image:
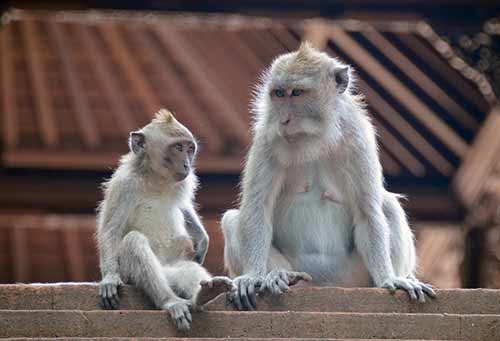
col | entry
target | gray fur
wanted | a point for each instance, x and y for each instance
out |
(313, 197)
(148, 231)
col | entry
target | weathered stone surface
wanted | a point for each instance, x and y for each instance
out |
(321, 299)
(238, 324)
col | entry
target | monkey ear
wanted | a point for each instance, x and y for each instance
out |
(341, 75)
(136, 141)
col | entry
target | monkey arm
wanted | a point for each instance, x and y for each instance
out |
(197, 232)
(112, 222)
(363, 184)
(262, 181)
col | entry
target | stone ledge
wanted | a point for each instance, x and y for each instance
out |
(22, 323)
(84, 296)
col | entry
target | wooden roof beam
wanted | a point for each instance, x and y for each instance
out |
(75, 90)
(387, 111)
(195, 117)
(316, 33)
(413, 104)
(389, 114)
(202, 79)
(110, 87)
(391, 166)
(420, 78)
(45, 112)
(146, 93)
(480, 161)
(10, 128)
(440, 66)
(402, 154)
(103, 161)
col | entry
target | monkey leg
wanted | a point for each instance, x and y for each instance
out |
(191, 281)
(232, 257)
(140, 266)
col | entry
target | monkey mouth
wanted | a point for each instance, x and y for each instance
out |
(292, 138)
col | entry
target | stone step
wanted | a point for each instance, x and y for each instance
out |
(194, 339)
(222, 324)
(322, 299)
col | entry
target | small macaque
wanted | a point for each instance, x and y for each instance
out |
(313, 200)
(148, 232)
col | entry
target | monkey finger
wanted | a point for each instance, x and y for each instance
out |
(428, 289)
(106, 303)
(114, 290)
(187, 313)
(276, 289)
(283, 285)
(252, 296)
(391, 287)
(236, 301)
(284, 276)
(420, 293)
(114, 302)
(245, 302)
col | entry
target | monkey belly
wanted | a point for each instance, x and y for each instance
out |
(316, 236)
(165, 230)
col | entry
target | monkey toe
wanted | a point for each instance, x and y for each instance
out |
(213, 288)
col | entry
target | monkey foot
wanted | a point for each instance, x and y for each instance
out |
(213, 288)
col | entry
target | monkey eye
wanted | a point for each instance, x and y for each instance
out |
(178, 146)
(297, 92)
(279, 93)
(191, 149)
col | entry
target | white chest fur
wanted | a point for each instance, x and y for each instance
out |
(161, 221)
(312, 225)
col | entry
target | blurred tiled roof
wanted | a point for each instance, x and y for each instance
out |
(74, 85)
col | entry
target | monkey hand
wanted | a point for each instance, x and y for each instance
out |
(108, 291)
(244, 298)
(278, 282)
(412, 286)
(178, 309)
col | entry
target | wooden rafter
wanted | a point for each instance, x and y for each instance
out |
(200, 123)
(109, 85)
(316, 33)
(389, 114)
(102, 161)
(385, 110)
(11, 131)
(412, 103)
(420, 78)
(480, 161)
(45, 108)
(465, 88)
(148, 95)
(76, 92)
(391, 166)
(202, 79)
(402, 154)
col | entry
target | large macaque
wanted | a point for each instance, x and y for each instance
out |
(313, 197)
(148, 231)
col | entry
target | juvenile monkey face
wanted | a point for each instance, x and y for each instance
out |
(179, 156)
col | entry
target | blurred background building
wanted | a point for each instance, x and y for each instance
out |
(77, 76)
